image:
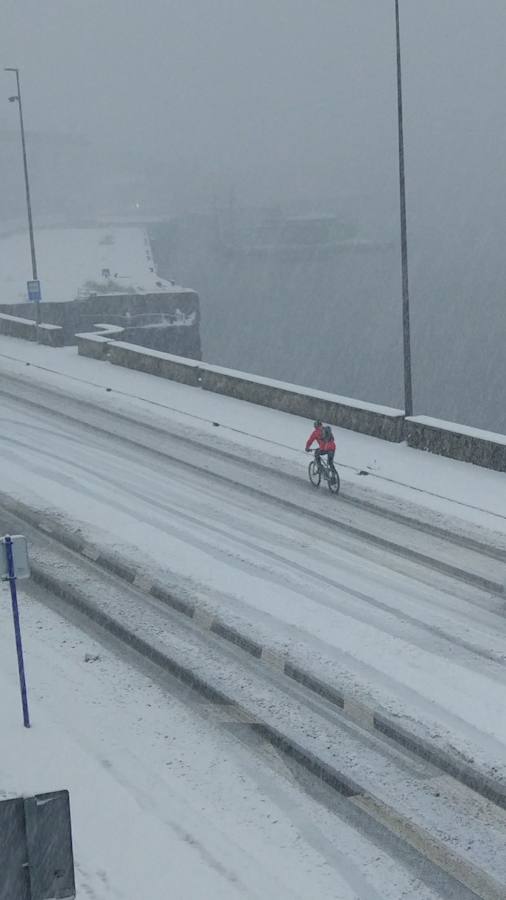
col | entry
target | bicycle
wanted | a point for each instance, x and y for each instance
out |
(319, 468)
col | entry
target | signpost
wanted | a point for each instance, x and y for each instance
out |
(36, 855)
(34, 292)
(13, 565)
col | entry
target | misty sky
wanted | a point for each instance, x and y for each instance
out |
(292, 103)
(276, 98)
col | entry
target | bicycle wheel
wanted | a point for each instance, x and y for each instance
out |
(314, 472)
(334, 483)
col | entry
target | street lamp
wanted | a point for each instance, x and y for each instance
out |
(17, 99)
(408, 387)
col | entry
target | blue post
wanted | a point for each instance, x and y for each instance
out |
(17, 629)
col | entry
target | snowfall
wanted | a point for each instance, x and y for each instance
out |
(164, 803)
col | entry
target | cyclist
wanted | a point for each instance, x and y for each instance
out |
(322, 434)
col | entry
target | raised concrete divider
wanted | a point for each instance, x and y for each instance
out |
(459, 442)
(155, 362)
(27, 329)
(483, 448)
(18, 327)
(407, 731)
(289, 725)
(52, 335)
(95, 344)
(367, 418)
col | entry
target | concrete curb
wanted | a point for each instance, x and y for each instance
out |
(371, 717)
(471, 876)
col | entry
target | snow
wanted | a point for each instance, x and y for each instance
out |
(467, 430)
(163, 801)
(72, 262)
(46, 326)
(17, 319)
(428, 649)
(414, 643)
(407, 479)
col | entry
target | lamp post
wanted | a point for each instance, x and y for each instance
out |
(17, 99)
(408, 386)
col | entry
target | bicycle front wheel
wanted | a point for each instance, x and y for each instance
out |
(314, 472)
(334, 483)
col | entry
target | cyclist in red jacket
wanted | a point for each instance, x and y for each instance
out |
(326, 443)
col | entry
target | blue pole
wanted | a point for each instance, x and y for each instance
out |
(17, 629)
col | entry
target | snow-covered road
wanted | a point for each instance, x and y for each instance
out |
(347, 587)
(428, 647)
(164, 802)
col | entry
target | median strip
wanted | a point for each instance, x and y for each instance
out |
(370, 716)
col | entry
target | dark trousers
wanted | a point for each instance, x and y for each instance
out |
(329, 454)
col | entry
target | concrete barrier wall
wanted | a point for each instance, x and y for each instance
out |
(93, 345)
(363, 417)
(483, 448)
(459, 442)
(164, 365)
(18, 327)
(366, 418)
(15, 326)
(130, 311)
(52, 335)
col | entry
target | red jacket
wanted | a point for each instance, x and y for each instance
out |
(317, 435)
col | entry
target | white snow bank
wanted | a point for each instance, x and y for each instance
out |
(18, 319)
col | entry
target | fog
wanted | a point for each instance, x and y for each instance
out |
(179, 105)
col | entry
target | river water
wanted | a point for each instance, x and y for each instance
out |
(335, 323)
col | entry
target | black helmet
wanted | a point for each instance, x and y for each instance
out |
(318, 423)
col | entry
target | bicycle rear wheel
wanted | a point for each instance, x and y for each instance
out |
(334, 483)
(314, 472)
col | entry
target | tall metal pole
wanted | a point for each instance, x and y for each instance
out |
(408, 386)
(11, 572)
(27, 188)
